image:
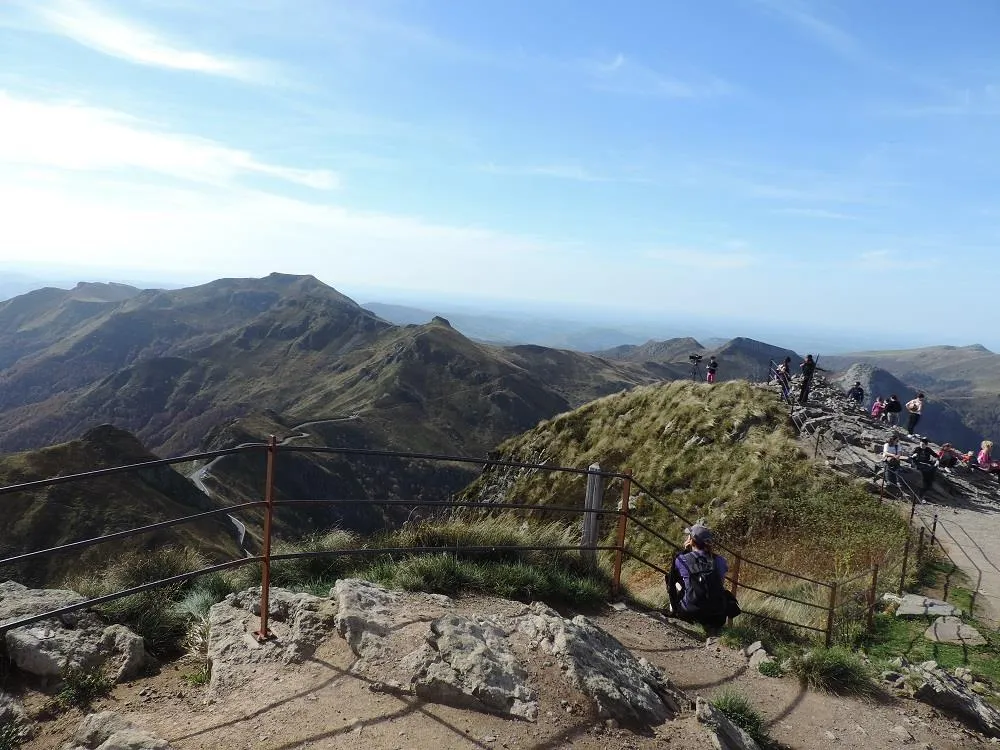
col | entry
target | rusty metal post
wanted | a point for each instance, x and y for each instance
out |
(265, 584)
(616, 581)
(906, 558)
(934, 530)
(816, 452)
(920, 546)
(972, 599)
(872, 595)
(830, 614)
(881, 489)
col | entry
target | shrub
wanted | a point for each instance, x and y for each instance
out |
(81, 687)
(771, 669)
(835, 670)
(13, 734)
(198, 677)
(737, 708)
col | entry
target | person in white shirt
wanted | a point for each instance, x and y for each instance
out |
(890, 455)
(915, 409)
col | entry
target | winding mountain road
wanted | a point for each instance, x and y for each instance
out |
(198, 476)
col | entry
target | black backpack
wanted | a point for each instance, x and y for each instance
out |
(705, 594)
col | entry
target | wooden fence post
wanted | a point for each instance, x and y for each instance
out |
(830, 614)
(591, 504)
(934, 529)
(906, 557)
(616, 581)
(872, 595)
(263, 633)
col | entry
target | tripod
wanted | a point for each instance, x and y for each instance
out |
(696, 370)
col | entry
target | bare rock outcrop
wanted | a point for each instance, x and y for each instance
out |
(624, 688)
(298, 623)
(109, 731)
(725, 735)
(75, 640)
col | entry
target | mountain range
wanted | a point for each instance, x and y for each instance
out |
(237, 360)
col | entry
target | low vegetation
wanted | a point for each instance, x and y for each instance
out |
(81, 687)
(474, 559)
(835, 670)
(13, 734)
(738, 709)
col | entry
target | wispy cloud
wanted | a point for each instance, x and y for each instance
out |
(968, 101)
(623, 75)
(706, 259)
(571, 172)
(74, 136)
(98, 28)
(890, 260)
(827, 33)
(815, 213)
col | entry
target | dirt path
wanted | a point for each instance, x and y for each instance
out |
(321, 704)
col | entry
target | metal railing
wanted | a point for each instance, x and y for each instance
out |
(626, 521)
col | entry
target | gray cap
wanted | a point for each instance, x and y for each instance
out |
(701, 534)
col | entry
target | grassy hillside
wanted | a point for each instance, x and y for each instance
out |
(64, 513)
(724, 452)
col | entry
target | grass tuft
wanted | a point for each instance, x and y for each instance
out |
(771, 669)
(835, 670)
(13, 734)
(81, 687)
(737, 708)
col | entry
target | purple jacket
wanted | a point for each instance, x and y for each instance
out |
(721, 567)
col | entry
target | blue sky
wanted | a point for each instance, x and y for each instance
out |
(816, 163)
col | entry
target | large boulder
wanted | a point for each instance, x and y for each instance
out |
(725, 735)
(109, 731)
(624, 688)
(298, 623)
(366, 614)
(468, 663)
(75, 640)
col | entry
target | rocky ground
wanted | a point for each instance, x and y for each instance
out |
(370, 668)
(965, 500)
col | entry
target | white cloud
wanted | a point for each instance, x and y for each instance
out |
(572, 172)
(826, 33)
(78, 137)
(623, 75)
(92, 26)
(815, 213)
(703, 259)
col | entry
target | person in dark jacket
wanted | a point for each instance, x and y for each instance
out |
(925, 460)
(808, 368)
(713, 365)
(857, 394)
(892, 409)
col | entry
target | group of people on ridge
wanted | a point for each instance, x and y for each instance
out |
(783, 374)
(887, 410)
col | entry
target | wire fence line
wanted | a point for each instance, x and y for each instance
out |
(824, 597)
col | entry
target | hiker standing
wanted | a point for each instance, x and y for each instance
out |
(925, 460)
(696, 582)
(857, 394)
(713, 365)
(783, 374)
(892, 409)
(915, 407)
(808, 368)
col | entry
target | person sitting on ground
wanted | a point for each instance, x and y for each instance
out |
(925, 461)
(915, 407)
(892, 409)
(877, 408)
(948, 457)
(713, 365)
(985, 458)
(857, 394)
(696, 583)
(890, 456)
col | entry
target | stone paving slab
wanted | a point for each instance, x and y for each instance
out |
(953, 630)
(915, 605)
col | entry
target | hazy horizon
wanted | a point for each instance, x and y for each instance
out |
(636, 328)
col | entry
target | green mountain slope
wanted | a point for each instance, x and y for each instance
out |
(725, 452)
(68, 512)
